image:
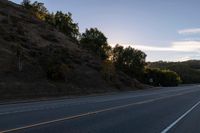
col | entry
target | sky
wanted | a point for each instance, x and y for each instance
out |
(167, 30)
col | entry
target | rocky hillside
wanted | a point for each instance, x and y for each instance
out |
(36, 60)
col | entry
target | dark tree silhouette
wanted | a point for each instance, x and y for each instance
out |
(129, 60)
(26, 4)
(95, 40)
(62, 21)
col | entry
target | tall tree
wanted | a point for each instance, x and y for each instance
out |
(39, 10)
(64, 22)
(129, 60)
(95, 41)
(26, 4)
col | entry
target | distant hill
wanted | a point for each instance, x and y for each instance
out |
(188, 70)
(32, 52)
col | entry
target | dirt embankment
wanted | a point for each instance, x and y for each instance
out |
(32, 53)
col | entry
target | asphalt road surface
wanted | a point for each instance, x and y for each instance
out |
(163, 110)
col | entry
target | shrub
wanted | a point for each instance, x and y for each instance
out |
(57, 72)
(108, 70)
(159, 77)
(55, 62)
(188, 70)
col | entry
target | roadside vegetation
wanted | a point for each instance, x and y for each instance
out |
(158, 77)
(44, 54)
(125, 59)
(189, 71)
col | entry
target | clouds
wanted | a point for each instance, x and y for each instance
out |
(189, 44)
(189, 31)
(153, 48)
(185, 45)
(179, 46)
(182, 50)
(176, 51)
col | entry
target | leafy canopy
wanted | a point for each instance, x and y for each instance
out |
(129, 60)
(62, 21)
(96, 41)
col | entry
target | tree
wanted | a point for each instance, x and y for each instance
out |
(26, 4)
(95, 41)
(39, 10)
(129, 60)
(64, 23)
(117, 56)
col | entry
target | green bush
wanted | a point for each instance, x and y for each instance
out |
(57, 72)
(189, 71)
(158, 77)
(55, 62)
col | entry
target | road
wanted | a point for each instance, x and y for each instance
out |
(163, 110)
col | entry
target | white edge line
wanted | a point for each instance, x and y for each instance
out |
(87, 114)
(180, 118)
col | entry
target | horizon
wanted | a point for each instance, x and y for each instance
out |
(164, 30)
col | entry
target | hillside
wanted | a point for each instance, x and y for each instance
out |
(188, 70)
(36, 60)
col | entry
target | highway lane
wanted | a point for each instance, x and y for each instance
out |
(140, 111)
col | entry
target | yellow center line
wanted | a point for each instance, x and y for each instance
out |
(90, 113)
